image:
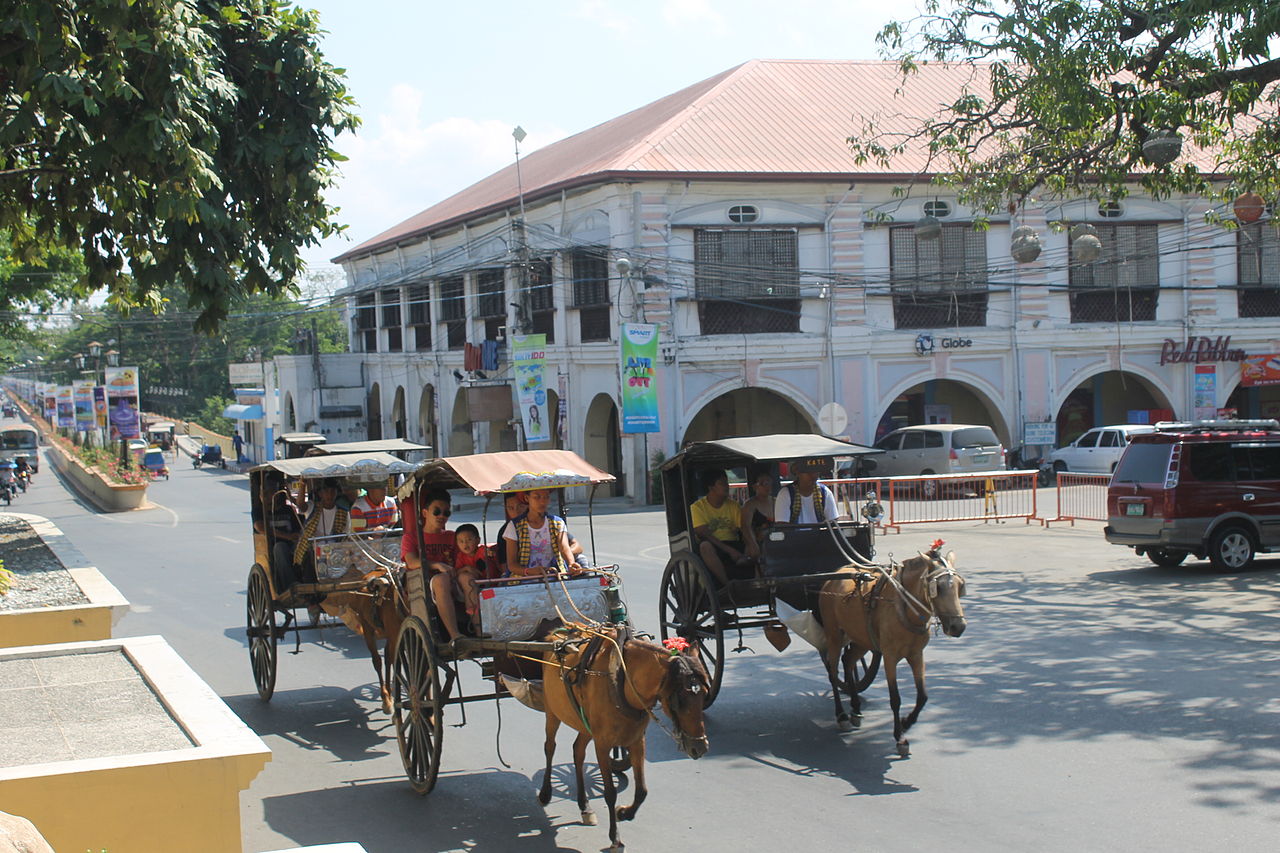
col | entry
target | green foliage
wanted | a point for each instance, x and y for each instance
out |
(6, 578)
(1063, 95)
(187, 141)
(210, 416)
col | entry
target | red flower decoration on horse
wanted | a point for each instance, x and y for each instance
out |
(676, 645)
(936, 546)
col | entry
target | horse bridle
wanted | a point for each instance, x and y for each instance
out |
(941, 568)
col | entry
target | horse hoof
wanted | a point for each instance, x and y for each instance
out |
(626, 813)
(844, 725)
(588, 818)
(904, 749)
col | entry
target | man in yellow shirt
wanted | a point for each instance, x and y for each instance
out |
(717, 527)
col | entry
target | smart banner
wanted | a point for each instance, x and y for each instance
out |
(1204, 403)
(100, 406)
(122, 402)
(82, 397)
(639, 378)
(50, 398)
(66, 408)
(528, 354)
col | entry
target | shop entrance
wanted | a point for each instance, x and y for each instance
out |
(427, 419)
(942, 401)
(603, 445)
(747, 411)
(373, 426)
(1113, 397)
(1255, 401)
(398, 420)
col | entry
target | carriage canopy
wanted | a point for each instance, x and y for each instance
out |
(733, 452)
(383, 445)
(364, 465)
(507, 471)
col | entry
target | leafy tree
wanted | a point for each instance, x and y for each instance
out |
(166, 141)
(1065, 93)
(209, 415)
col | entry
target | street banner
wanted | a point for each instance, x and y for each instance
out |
(1204, 405)
(122, 402)
(82, 397)
(100, 406)
(50, 397)
(528, 354)
(1260, 370)
(66, 408)
(562, 417)
(639, 378)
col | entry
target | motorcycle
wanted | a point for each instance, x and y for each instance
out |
(1019, 462)
(8, 482)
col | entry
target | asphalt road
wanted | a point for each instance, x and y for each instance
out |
(1095, 702)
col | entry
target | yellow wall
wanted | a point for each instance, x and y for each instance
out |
(54, 625)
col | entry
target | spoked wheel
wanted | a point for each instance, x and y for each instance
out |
(417, 705)
(859, 672)
(689, 607)
(260, 616)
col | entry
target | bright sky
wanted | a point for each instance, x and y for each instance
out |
(440, 86)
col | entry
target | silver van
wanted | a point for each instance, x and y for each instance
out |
(939, 449)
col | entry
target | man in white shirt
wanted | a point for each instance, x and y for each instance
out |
(795, 503)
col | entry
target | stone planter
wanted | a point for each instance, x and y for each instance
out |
(119, 745)
(92, 486)
(92, 620)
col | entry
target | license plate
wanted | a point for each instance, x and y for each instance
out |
(981, 459)
(1135, 509)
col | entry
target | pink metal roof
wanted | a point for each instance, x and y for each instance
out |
(764, 119)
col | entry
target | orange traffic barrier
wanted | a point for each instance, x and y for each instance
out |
(989, 496)
(1081, 497)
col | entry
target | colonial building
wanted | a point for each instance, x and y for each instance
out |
(783, 278)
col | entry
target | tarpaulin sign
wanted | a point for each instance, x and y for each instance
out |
(528, 353)
(122, 401)
(640, 378)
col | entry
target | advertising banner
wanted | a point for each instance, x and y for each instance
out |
(100, 406)
(528, 354)
(82, 397)
(639, 378)
(562, 418)
(122, 402)
(1204, 402)
(66, 408)
(1260, 370)
(50, 398)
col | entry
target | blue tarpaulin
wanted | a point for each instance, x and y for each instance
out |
(243, 413)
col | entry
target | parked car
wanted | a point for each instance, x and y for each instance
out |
(939, 449)
(1098, 450)
(1208, 488)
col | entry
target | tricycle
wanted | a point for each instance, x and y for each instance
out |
(210, 454)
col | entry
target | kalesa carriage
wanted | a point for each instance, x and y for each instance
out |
(560, 642)
(819, 579)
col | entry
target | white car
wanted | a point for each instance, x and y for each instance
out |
(1098, 450)
(938, 449)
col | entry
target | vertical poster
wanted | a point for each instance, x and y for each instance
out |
(639, 377)
(1204, 393)
(528, 354)
(66, 408)
(50, 397)
(122, 402)
(100, 406)
(562, 416)
(82, 397)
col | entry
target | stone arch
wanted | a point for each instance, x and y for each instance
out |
(461, 442)
(1108, 397)
(373, 413)
(603, 440)
(747, 411)
(428, 424)
(953, 401)
(399, 418)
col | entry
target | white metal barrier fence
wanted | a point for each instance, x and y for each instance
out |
(989, 496)
(1081, 497)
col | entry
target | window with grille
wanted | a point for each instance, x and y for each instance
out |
(453, 310)
(542, 299)
(590, 270)
(1123, 284)
(420, 316)
(1258, 269)
(746, 280)
(491, 285)
(390, 300)
(941, 282)
(366, 322)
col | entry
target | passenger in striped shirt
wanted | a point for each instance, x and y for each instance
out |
(374, 511)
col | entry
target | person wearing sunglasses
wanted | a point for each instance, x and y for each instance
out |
(540, 540)
(439, 555)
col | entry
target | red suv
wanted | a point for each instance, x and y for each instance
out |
(1208, 488)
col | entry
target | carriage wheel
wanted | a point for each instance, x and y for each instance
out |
(859, 672)
(689, 607)
(417, 706)
(260, 616)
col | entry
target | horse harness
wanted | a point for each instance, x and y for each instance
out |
(872, 595)
(573, 676)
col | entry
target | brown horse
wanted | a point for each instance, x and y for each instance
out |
(607, 698)
(374, 613)
(890, 612)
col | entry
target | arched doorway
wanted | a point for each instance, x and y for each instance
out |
(603, 444)
(747, 411)
(428, 427)
(398, 420)
(1254, 401)
(460, 440)
(1112, 397)
(290, 416)
(373, 409)
(941, 401)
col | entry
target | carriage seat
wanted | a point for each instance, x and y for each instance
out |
(806, 549)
